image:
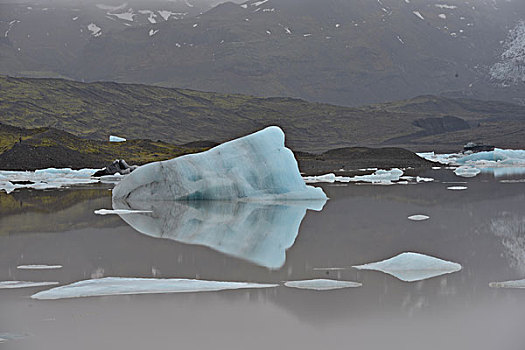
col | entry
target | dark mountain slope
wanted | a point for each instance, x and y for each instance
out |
(179, 116)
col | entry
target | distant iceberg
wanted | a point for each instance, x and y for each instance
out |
(124, 286)
(410, 267)
(257, 232)
(257, 167)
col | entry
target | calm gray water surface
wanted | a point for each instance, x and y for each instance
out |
(482, 228)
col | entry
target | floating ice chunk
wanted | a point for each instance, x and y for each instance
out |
(457, 188)
(330, 178)
(124, 286)
(120, 211)
(418, 217)
(424, 179)
(257, 232)
(151, 33)
(411, 267)
(113, 138)
(322, 284)
(380, 176)
(383, 177)
(23, 284)
(39, 267)
(257, 167)
(508, 284)
(467, 171)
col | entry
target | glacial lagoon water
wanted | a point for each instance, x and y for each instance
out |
(481, 228)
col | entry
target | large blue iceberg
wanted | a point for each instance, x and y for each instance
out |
(257, 167)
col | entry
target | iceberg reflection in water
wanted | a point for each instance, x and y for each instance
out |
(257, 232)
(411, 267)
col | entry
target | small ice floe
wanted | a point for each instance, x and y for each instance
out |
(125, 286)
(457, 188)
(467, 171)
(410, 267)
(45, 178)
(113, 138)
(381, 177)
(151, 33)
(39, 267)
(418, 217)
(11, 336)
(508, 284)
(515, 181)
(24, 284)
(322, 284)
(120, 211)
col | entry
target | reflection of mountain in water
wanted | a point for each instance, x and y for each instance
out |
(257, 232)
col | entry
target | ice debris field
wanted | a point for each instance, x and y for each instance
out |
(500, 162)
(254, 167)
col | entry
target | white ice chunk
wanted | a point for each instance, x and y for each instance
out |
(467, 171)
(411, 267)
(39, 267)
(330, 178)
(113, 138)
(418, 217)
(322, 284)
(124, 286)
(23, 284)
(508, 284)
(257, 167)
(457, 188)
(120, 211)
(153, 32)
(257, 232)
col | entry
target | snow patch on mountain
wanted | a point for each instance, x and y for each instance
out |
(151, 15)
(418, 14)
(11, 24)
(445, 6)
(259, 3)
(111, 7)
(510, 70)
(95, 30)
(167, 14)
(127, 16)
